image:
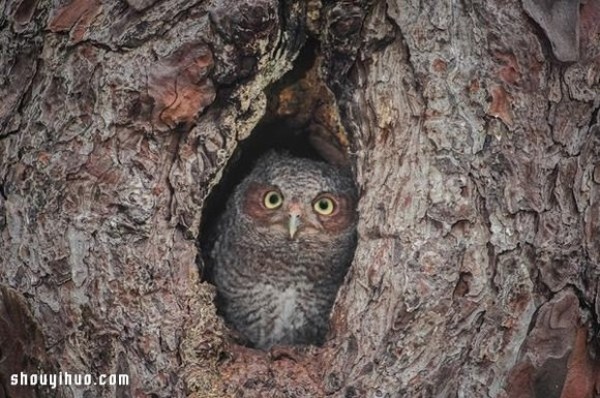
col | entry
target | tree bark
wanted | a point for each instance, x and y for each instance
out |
(472, 129)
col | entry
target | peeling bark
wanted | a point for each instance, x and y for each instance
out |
(473, 132)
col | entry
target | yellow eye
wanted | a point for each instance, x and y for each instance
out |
(324, 206)
(273, 200)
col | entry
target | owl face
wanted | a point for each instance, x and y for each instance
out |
(293, 204)
(301, 215)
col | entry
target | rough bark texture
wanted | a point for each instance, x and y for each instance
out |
(475, 146)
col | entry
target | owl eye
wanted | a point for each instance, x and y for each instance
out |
(324, 206)
(273, 200)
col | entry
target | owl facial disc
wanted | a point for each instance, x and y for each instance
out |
(295, 212)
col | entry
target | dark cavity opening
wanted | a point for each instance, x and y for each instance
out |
(266, 136)
(280, 130)
(272, 132)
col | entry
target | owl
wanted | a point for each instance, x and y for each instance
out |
(282, 248)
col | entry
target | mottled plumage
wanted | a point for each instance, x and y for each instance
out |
(279, 256)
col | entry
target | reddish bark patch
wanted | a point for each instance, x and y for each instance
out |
(76, 16)
(520, 381)
(510, 72)
(589, 28)
(260, 373)
(474, 86)
(101, 165)
(179, 85)
(439, 65)
(581, 375)
(500, 106)
(555, 357)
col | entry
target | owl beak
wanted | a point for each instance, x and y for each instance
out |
(294, 220)
(293, 224)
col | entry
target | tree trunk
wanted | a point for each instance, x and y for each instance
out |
(472, 129)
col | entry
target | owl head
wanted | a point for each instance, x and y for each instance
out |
(294, 198)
